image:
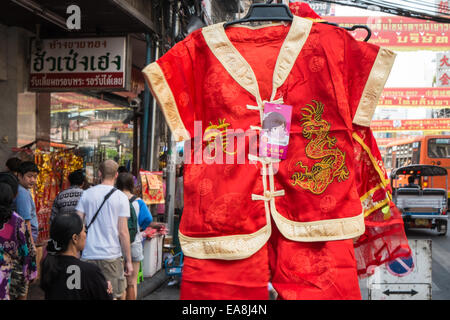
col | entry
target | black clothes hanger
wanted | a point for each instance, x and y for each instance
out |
(280, 12)
(356, 26)
(265, 12)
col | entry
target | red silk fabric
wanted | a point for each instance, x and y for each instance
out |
(297, 270)
(330, 71)
(384, 238)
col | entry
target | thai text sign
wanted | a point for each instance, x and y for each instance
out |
(411, 125)
(436, 98)
(442, 7)
(84, 63)
(399, 32)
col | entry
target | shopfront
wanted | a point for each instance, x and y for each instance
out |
(96, 128)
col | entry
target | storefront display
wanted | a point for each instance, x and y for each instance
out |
(152, 187)
(99, 129)
(54, 169)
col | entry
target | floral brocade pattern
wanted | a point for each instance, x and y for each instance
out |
(16, 255)
(384, 238)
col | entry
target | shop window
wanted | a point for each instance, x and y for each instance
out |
(96, 127)
(439, 148)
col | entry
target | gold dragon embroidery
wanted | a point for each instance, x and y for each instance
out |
(217, 134)
(321, 174)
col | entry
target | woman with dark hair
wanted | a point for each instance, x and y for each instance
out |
(64, 275)
(15, 244)
(125, 183)
(13, 165)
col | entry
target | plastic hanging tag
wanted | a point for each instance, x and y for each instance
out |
(274, 137)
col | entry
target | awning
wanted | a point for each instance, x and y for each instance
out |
(98, 17)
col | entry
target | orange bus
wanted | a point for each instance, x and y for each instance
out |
(433, 149)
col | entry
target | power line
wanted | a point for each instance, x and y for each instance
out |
(398, 9)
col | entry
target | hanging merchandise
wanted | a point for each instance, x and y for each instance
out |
(384, 237)
(152, 187)
(250, 219)
(54, 169)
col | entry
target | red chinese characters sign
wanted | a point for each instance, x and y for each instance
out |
(85, 63)
(438, 124)
(399, 32)
(443, 69)
(436, 98)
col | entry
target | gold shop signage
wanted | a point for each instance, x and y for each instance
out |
(401, 33)
(82, 63)
(434, 98)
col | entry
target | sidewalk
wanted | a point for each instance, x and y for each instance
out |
(151, 284)
(145, 288)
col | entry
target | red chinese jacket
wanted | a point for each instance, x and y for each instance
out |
(384, 238)
(217, 80)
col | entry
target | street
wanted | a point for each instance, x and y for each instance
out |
(440, 270)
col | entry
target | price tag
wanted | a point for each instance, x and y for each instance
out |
(274, 137)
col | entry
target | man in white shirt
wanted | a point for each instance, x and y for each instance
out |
(108, 234)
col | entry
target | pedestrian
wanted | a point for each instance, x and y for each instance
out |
(105, 210)
(17, 256)
(13, 165)
(28, 172)
(161, 207)
(122, 169)
(125, 183)
(179, 204)
(26, 208)
(67, 200)
(64, 275)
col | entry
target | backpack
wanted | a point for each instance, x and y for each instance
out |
(132, 221)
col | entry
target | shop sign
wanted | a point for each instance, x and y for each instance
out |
(435, 98)
(321, 8)
(152, 187)
(80, 63)
(399, 32)
(411, 125)
(443, 69)
(442, 7)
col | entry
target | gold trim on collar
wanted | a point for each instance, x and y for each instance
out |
(230, 58)
(233, 247)
(292, 45)
(166, 100)
(238, 67)
(374, 86)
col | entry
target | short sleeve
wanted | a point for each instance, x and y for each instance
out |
(366, 70)
(145, 217)
(124, 204)
(171, 81)
(80, 204)
(55, 210)
(23, 205)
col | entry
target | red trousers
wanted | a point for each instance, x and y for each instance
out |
(297, 270)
